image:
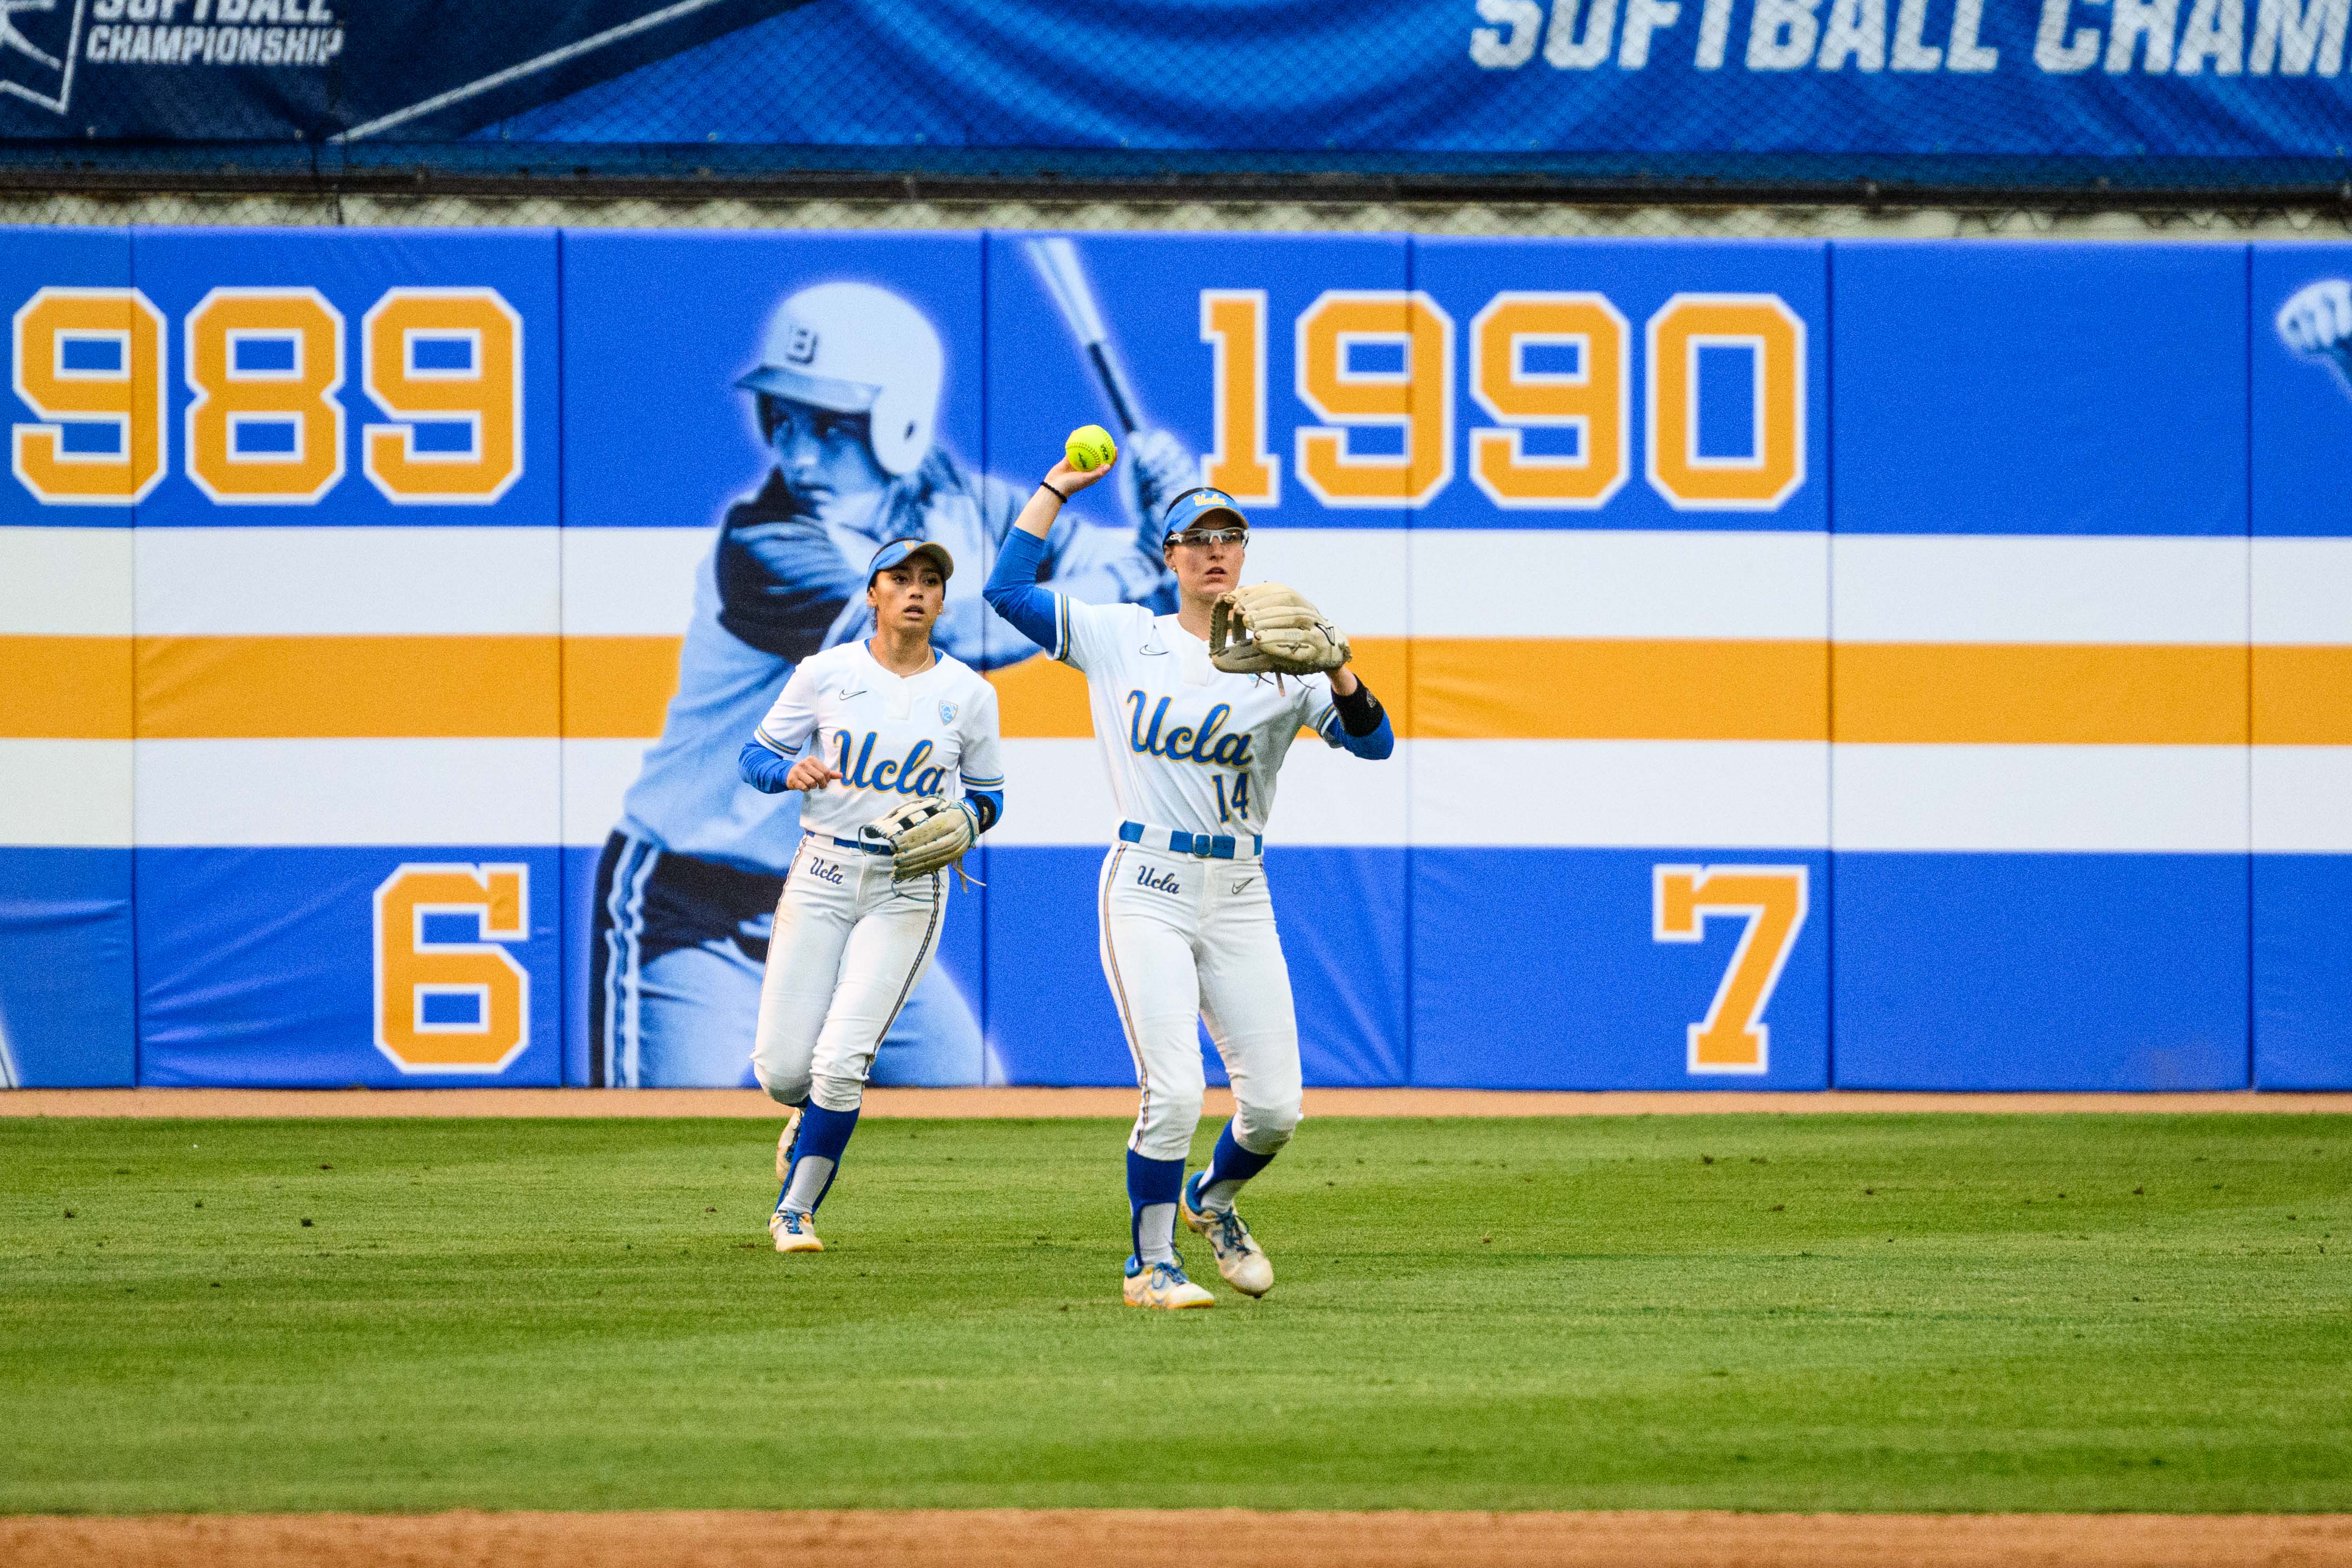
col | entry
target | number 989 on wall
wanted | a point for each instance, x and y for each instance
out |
(266, 371)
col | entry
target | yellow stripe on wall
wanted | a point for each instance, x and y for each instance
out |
(2040, 694)
(1044, 699)
(1465, 688)
(334, 687)
(1619, 689)
(65, 688)
(619, 689)
(2303, 696)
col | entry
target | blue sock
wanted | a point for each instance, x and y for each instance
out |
(1153, 1186)
(1229, 1167)
(816, 1155)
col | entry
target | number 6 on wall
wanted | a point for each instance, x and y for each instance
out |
(491, 1023)
(1733, 1038)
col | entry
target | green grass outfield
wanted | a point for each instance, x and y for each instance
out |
(1913, 1313)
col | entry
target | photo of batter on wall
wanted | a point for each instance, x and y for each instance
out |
(846, 392)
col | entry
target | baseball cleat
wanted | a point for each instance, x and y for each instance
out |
(794, 1231)
(1239, 1258)
(784, 1146)
(1163, 1285)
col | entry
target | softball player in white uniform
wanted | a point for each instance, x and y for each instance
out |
(861, 728)
(1186, 916)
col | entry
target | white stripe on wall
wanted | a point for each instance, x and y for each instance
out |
(1453, 583)
(596, 774)
(348, 792)
(65, 582)
(2038, 588)
(1599, 793)
(66, 794)
(632, 581)
(1729, 794)
(2302, 799)
(1590, 583)
(312, 582)
(2089, 798)
(1358, 576)
(2302, 590)
(1055, 792)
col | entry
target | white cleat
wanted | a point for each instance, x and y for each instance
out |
(794, 1231)
(1163, 1285)
(784, 1146)
(1239, 1258)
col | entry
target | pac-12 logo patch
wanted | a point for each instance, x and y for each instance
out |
(38, 41)
(948, 712)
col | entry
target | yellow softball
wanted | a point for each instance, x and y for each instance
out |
(1090, 447)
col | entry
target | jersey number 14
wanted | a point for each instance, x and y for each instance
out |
(1233, 805)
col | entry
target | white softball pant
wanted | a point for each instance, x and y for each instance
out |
(848, 947)
(1187, 941)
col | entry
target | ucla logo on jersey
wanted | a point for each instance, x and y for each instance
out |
(903, 775)
(948, 711)
(1184, 743)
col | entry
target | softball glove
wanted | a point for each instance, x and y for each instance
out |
(1269, 629)
(928, 834)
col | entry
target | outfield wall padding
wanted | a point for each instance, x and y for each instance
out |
(1918, 665)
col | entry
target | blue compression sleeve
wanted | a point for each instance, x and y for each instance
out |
(1229, 1167)
(1373, 746)
(1013, 592)
(1152, 1188)
(822, 1135)
(1360, 724)
(761, 768)
(988, 805)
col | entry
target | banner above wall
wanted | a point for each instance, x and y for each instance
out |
(2128, 93)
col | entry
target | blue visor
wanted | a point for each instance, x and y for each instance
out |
(1200, 508)
(899, 550)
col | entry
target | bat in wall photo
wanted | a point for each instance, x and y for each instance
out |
(849, 393)
(1157, 464)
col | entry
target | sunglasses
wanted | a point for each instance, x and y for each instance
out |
(1203, 537)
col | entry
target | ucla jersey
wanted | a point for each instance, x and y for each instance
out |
(779, 587)
(1188, 745)
(891, 737)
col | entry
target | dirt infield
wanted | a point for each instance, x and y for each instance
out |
(962, 1103)
(1222, 1539)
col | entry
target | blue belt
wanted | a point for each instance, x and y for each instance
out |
(1176, 841)
(860, 844)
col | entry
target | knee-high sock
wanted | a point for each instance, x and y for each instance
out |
(1229, 1167)
(1153, 1186)
(816, 1155)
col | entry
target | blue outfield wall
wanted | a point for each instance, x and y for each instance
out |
(1577, 991)
(2068, 394)
(1868, 664)
(2056, 972)
(69, 1017)
(246, 976)
(2302, 501)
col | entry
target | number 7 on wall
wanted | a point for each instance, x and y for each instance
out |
(1733, 1038)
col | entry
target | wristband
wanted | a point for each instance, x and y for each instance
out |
(1360, 711)
(1052, 491)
